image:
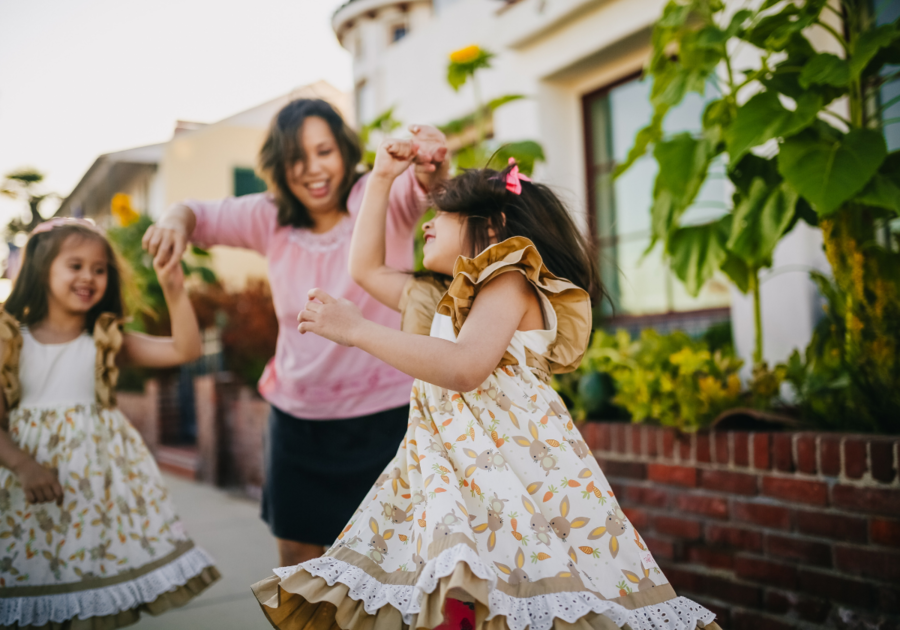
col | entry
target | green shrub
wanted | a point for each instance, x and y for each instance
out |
(672, 379)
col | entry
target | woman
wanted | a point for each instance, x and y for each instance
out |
(337, 414)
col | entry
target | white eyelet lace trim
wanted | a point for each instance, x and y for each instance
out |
(107, 600)
(535, 613)
(332, 239)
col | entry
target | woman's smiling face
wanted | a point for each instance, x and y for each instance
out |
(445, 241)
(315, 178)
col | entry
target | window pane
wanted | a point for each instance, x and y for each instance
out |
(246, 182)
(643, 279)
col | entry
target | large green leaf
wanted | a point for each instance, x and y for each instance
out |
(683, 163)
(763, 117)
(883, 190)
(644, 138)
(774, 32)
(738, 272)
(864, 49)
(828, 167)
(525, 152)
(696, 252)
(751, 167)
(825, 69)
(760, 221)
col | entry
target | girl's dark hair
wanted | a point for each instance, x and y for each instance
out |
(28, 300)
(282, 148)
(481, 197)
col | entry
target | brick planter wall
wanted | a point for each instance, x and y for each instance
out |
(770, 530)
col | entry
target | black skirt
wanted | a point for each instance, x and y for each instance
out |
(319, 471)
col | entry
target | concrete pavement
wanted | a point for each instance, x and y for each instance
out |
(230, 529)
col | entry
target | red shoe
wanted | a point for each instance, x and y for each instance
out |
(458, 616)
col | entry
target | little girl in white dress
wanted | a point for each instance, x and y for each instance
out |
(89, 536)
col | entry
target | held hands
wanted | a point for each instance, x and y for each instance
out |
(40, 484)
(165, 243)
(337, 320)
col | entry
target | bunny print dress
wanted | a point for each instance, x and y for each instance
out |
(493, 498)
(114, 548)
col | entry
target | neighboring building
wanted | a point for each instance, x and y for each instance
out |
(579, 62)
(201, 161)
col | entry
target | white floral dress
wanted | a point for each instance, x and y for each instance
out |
(115, 547)
(493, 498)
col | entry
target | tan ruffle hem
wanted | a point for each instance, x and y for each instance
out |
(302, 601)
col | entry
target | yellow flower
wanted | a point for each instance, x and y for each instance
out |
(465, 55)
(123, 211)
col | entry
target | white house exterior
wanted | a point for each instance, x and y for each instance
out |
(579, 63)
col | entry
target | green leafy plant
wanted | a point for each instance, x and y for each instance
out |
(143, 293)
(23, 185)
(475, 151)
(790, 156)
(372, 132)
(672, 379)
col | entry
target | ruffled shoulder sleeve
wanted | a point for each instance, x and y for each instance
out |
(11, 335)
(418, 303)
(571, 303)
(108, 339)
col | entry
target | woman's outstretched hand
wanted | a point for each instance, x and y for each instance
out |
(431, 158)
(337, 320)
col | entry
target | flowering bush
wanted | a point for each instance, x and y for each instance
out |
(669, 379)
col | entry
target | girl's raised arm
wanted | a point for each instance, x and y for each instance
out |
(367, 249)
(184, 345)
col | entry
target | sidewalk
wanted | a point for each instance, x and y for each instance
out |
(230, 529)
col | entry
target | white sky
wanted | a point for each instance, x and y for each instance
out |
(79, 78)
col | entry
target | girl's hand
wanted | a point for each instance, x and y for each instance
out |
(40, 485)
(165, 242)
(171, 276)
(338, 320)
(393, 157)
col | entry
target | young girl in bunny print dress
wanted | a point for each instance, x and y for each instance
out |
(493, 498)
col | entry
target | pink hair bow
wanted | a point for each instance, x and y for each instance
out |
(514, 178)
(46, 226)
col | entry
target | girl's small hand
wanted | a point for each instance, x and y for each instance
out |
(170, 275)
(40, 485)
(393, 157)
(431, 161)
(335, 319)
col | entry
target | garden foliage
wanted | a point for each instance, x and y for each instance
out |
(791, 155)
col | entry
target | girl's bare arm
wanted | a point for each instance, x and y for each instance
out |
(462, 366)
(367, 248)
(184, 345)
(39, 484)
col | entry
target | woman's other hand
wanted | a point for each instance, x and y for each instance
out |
(431, 161)
(338, 320)
(167, 239)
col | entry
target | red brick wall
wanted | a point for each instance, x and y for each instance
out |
(770, 530)
(244, 427)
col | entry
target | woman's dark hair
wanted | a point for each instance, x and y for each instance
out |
(28, 300)
(481, 197)
(283, 147)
